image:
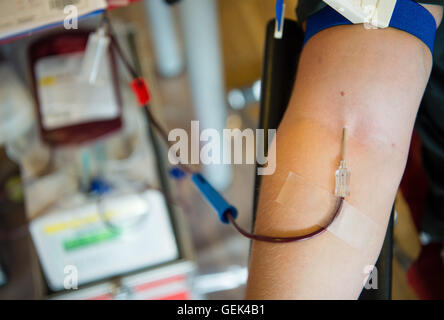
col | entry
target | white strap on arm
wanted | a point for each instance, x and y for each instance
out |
(378, 13)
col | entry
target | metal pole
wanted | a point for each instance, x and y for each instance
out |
(204, 62)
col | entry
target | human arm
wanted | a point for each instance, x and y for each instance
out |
(370, 81)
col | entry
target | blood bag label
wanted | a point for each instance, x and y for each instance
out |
(65, 100)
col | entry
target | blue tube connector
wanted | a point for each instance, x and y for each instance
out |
(222, 207)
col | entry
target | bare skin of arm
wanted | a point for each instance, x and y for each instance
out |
(372, 82)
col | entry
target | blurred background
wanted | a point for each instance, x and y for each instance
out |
(86, 199)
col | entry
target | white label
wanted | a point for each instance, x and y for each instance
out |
(65, 100)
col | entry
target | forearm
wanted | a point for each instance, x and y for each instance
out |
(372, 83)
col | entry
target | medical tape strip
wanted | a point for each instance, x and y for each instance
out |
(350, 225)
